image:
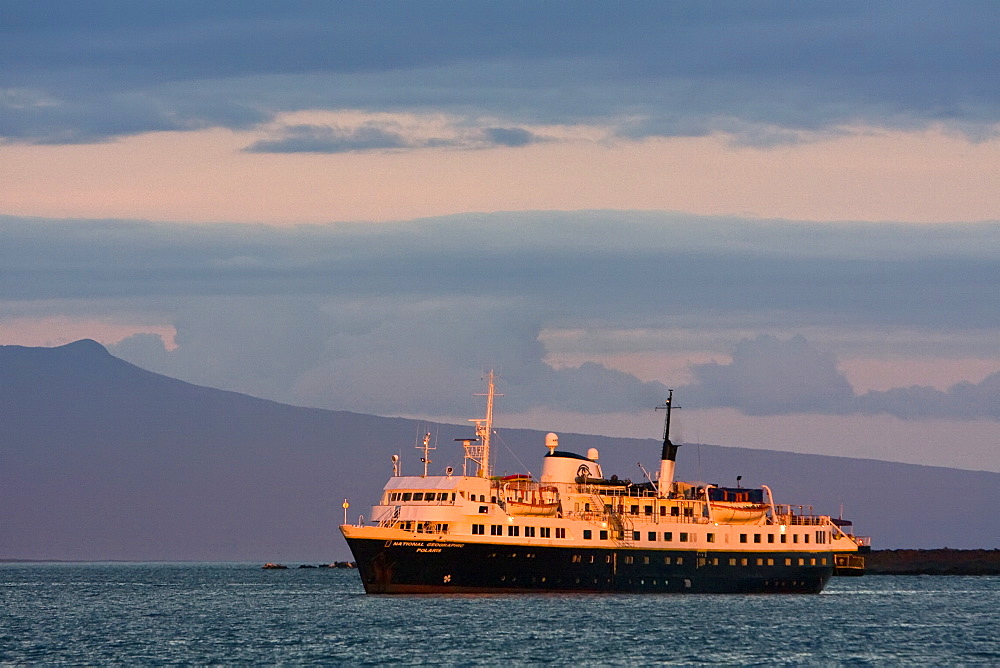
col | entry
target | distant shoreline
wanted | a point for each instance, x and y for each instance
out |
(941, 561)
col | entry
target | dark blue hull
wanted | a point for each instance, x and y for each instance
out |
(424, 567)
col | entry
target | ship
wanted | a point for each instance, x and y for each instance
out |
(574, 530)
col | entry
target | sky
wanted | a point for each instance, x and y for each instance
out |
(787, 212)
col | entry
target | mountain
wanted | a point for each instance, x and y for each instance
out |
(100, 459)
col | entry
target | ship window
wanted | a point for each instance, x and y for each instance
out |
(483, 510)
(560, 533)
(604, 535)
(529, 532)
(812, 562)
(668, 536)
(732, 561)
(663, 511)
(675, 511)
(478, 529)
(805, 538)
(513, 530)
(688, 511)
(394, 496)
(587, 534)
(645, 560)
(710, 537)
(788, 562)
(756, 538)
(680, 560)
(743, 538)
(577, 558)
(795, 538)
(652, 535)
(760, 562)
(607, 558)
(770, 538)
(545, 532)
(666, 560)
(418, 496)
(586, 507)
(824, 561)
(684, 537)
(783, 538)
(407, 496)
(633, 510)
(592, 560)
(802, 562)
(629, 560)
(648, 510)
(770, 562)
(636, 535)
(496, 530)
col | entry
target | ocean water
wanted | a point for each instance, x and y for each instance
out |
(98, 614)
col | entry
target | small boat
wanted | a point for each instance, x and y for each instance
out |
(274, 567)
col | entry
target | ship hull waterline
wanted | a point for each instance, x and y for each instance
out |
(458, 567)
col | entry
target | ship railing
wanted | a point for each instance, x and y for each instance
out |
(387, 518)
(861, 541)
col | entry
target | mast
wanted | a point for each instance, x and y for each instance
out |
(480, 452)
(426, 447)
(668, 455)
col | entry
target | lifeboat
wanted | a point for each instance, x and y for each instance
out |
(737, 505)
(736, 512)
(523, 496)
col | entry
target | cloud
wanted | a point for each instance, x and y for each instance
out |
(386, 136)
(769, 376)
(385, 318)
(768, 74)
(313, 139)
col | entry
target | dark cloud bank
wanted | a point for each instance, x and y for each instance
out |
(88, 71)
(385, 318)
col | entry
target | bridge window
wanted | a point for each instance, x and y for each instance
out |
(545, 532)
(743, 538)
(756, 538)
(770, 538)
(684, 537)
(560, 533)
(529, 532)
(407, 496)
(513, 530)
(710, 537)
(636, 535)
(418, 496)
(478, 529)
(668, 536)
(496, 530)
(633, 510)
(604, 535)
(652, 535)
(648, 510)
(674, 511)
(587, 534)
